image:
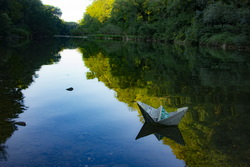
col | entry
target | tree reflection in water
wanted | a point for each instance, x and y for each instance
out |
(3, 153)
(18, 65)
(214, 84)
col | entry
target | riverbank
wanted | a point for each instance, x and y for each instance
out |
(209, 43)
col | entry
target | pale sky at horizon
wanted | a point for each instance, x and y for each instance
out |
(72, 10)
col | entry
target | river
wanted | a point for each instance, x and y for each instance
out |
(78, 100)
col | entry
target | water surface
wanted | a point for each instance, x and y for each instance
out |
(97, 122)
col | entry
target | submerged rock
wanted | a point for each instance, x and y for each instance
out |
(70, 89)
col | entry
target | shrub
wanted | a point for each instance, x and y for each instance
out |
(219, 14)
(110, 29)
(20, 32)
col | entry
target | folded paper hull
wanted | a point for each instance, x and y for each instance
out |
(173, 119)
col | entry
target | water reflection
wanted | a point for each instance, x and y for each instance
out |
(160, 131)
(18, 65)
(3, 153)
(215, 84)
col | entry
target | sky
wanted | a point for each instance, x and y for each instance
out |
(72, 10)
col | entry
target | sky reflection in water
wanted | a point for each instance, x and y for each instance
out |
(84, 127)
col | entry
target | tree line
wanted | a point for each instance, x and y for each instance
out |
(30, 19)
(212, 22)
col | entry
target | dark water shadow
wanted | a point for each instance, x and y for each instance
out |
(160, 131)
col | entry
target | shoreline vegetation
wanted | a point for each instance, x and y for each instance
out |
(141, 39)
(218, 23)
(30, 19)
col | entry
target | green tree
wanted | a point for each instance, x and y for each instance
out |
(100, 9)
(25, 19)
(5, 25)
(193, 21)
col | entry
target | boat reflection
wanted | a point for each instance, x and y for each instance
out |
(160, 131)
(153, 124)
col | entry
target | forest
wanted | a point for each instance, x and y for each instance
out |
(223, 23)
(210, 22)
(30, 19)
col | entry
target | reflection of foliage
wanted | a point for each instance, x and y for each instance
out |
(218, 138)
(215, 86)
(160, 70)
(17, 69)
(3, 153)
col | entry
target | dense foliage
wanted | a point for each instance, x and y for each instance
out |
(213, 22)
(30, 19)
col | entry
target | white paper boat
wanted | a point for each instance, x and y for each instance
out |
(160, 115)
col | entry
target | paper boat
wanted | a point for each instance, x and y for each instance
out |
(160, 115)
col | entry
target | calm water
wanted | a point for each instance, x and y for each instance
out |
(95, 124)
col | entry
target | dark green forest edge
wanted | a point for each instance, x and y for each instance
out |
(30, 19)
(206, 22)
(221, 23)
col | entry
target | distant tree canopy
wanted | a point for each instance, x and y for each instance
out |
(26, 19)
(194, 21)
